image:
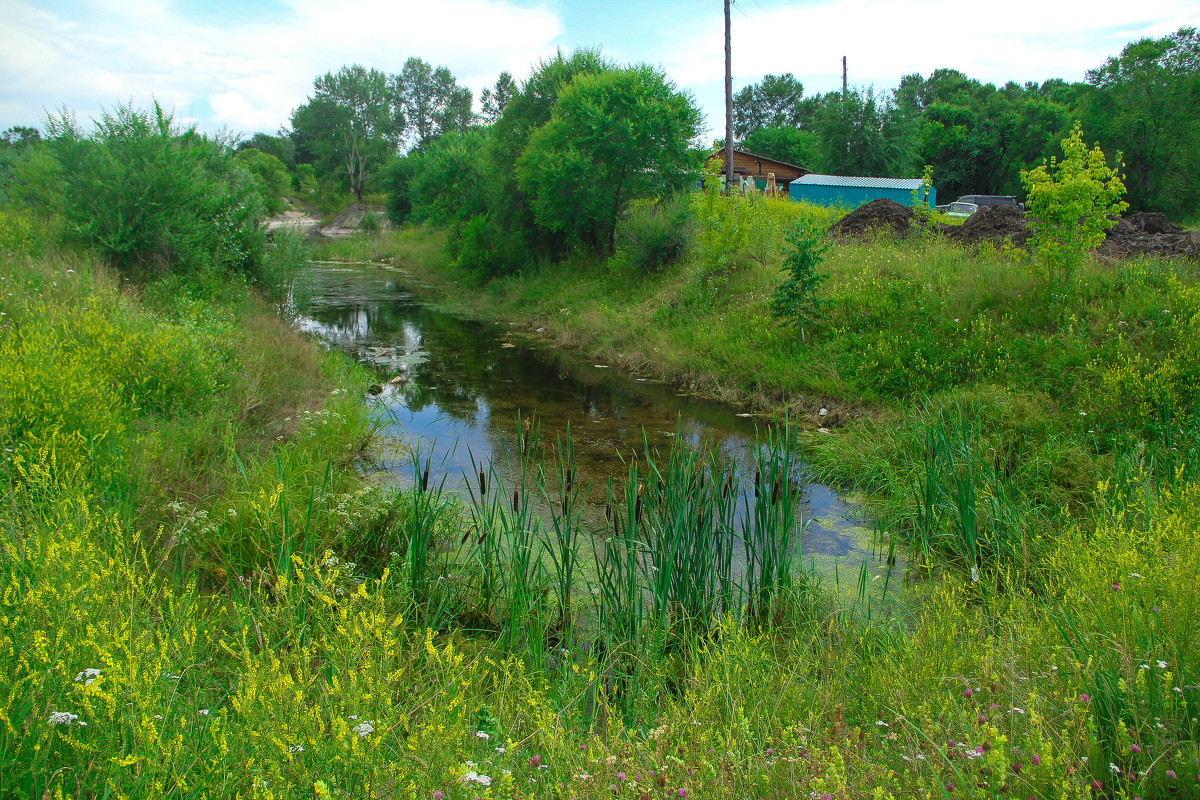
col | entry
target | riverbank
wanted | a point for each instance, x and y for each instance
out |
(930, 355)
(228, 653)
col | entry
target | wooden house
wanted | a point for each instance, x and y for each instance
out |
(748, 165)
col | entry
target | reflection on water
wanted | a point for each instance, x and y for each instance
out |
(454, 388)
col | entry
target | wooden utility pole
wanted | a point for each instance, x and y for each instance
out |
(844, 87)
(728, 105)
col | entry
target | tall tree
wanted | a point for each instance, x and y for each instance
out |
(432, 100)
(1146, 103)
(777, 101)
(353, 123)
(863, 134)
(493, 100)
(612, 137)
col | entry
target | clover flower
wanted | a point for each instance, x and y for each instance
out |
(64, 718)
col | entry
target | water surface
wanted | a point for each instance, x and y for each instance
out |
(453, 389)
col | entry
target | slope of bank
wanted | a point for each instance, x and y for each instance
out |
(930, 355)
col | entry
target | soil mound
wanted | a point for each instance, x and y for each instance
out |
(1152, 222)
(1149, 233)
(993, 223)
(877, 215)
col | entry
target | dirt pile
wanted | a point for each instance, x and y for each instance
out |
(1149, 233)
(991, 223)
(877, 215)
(349, 222)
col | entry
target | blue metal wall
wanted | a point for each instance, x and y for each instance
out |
(851, 196)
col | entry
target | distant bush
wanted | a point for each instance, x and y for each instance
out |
(154, 199)
(271, 177)
(654, 235)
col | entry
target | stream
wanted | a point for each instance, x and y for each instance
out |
(452, 388)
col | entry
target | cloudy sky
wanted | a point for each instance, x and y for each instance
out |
(243, 65)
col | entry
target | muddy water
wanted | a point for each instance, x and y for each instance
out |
(453, 389)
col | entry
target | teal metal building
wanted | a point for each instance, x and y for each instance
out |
(851, 192)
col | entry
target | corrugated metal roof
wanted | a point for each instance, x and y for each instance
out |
(865, 183)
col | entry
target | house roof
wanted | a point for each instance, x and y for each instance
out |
(813, 179)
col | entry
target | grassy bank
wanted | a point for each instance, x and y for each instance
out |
(931, 358)
(198, 598)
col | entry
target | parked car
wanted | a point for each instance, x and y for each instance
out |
(982, 200)
(958, 209)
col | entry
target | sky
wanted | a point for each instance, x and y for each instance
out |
(242, 66)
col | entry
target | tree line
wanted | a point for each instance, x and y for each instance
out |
(1143, 103)
(551, 163)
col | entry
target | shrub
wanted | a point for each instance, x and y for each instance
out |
(795, 300)
(1071, 202)
(154, 199)
(655, 235)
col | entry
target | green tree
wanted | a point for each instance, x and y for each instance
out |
(791, 145)
(1070, 202)
(795, 301)
(864, 134)
(281, 145)
(612, 137)
(352, 123)
(270, 176)
(1146, 102)
(777, 101)
(493, 100)
(432, 100)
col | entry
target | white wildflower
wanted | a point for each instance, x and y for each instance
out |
(1143, 666)
(501, 750)
(881, 723)
(363, 729)
(296, 748)
(1114, 769)
(1134, 575)
(1015, 710)
(87, 676)
(62, 718)
(474, 777)
(203, 712)
(1162, 664)
(482, 735)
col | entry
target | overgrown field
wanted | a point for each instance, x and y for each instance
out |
(198, 598)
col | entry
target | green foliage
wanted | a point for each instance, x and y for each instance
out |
(1070, 202)
(654, 235)
(432, 102)
(790, 145)
(776, 102)
(153, 198)
(612, 137)
(862, 135)
(352, 123)
(271, 176)
(795, 301)
(1146, 104)
(492, 100)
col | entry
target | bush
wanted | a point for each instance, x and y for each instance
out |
(153, 199)
(655, 235)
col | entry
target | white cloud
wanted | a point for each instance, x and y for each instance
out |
(250, 69)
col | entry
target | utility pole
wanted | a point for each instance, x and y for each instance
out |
(728, 104)
(844, 87)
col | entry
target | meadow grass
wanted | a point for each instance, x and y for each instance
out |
(198, 598)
